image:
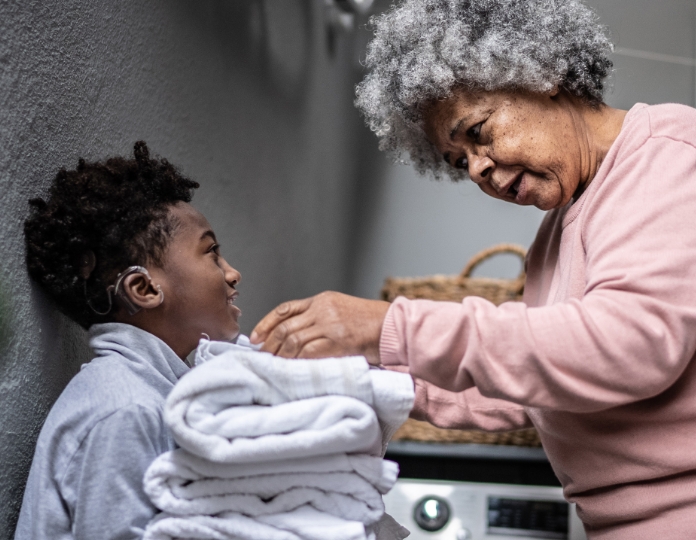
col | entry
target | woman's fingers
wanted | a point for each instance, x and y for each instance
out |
(319, 348)
(284, 311)
(295, 343)
(328, 324)
(284, 337)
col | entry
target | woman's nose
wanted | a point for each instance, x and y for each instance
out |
(480, 168)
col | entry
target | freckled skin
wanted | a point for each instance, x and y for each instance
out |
(552, 144)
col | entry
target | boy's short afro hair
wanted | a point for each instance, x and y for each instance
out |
(117, 210)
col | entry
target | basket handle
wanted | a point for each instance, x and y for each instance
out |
(488, 253)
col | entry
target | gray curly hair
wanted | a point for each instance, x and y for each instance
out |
(423, 49)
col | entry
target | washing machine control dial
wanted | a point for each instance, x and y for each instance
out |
(431, 513)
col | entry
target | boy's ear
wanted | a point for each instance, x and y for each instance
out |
(141, 292)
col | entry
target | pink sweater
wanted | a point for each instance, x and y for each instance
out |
(599, 357)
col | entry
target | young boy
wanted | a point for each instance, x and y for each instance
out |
(122, 252)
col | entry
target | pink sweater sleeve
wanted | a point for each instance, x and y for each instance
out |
(464, 410)
(628, 336)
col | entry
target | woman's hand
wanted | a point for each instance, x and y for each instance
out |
(328, 324)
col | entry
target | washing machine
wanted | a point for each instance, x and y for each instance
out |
(477, 492)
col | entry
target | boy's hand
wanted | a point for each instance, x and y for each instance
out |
(328, 324)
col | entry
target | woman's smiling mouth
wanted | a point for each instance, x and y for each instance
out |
(515, 187)
(517, 191)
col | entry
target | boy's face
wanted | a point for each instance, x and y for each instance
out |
(198, 284)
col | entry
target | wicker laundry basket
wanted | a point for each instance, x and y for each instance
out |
(455, 288)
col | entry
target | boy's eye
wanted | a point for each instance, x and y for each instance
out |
(215, 248)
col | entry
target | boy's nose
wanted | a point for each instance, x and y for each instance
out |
(232, 276)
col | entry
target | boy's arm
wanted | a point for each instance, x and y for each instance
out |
(105, 477)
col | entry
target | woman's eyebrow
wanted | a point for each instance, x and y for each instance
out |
(459, 123)
(453, 131)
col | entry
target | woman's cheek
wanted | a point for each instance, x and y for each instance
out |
(550, 195)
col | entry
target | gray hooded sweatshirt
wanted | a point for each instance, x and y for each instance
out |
(86, 480)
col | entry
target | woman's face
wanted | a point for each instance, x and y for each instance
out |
(199, 285)
(529, 149)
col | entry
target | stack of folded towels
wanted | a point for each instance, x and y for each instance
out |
(273, 449)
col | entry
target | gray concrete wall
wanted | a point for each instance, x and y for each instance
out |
(414, 226)
(245, 96)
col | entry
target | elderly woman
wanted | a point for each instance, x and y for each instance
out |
(600, 356)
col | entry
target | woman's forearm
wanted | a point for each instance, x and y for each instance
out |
(574, 356)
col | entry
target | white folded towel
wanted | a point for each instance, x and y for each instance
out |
(298, 525)
(393, 396)
(346, 486)
(253, 433)
(379, 472)
(278, 449)
(305, 523)
(241, 405)
(391, 393)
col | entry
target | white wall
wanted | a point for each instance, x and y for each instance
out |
(414, 226)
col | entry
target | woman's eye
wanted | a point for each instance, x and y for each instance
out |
(475, 131)
(462, 163)
(215, 249)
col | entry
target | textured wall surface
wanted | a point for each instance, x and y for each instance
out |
(250, 98)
